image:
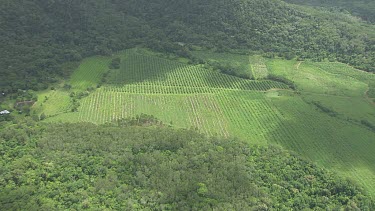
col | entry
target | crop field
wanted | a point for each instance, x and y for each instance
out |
(153, 71)
(262, 112)
(89, 73)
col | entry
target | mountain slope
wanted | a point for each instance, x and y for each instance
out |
(38, 36)
(361, 8)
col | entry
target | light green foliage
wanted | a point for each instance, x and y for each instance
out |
(339, 69)
(258, 67)
(52, 102)
(309, 78)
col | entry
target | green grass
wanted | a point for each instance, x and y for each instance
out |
(262, 112)
(52, 102)
(309, 78)
(89, 73)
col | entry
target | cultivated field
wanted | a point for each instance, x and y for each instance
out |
(262, 112)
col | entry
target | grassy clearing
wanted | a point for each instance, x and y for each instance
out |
(309, 78)
(52, 102)
(217, 104)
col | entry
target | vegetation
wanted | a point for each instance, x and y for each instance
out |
(84, 166)
(362, 8)
(234, 84)
(38, 37)
(259, 111)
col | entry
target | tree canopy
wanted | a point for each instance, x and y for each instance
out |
(130, 166)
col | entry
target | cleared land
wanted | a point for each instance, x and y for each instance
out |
(263, 112)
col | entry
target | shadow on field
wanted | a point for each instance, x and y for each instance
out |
(139, 68)
(328, 141)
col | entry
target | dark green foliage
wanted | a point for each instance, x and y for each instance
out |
(228, 69)
(139, 120)
(368, 124)
(38, 37)
(362, 8)
(115, 63)
(85, 166)
(323, 108)
(282, 80)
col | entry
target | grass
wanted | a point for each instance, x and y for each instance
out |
(310, 78)
(52, 102)
(89, 73)
(262, 112)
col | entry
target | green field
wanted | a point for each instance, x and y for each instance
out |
(262, 112)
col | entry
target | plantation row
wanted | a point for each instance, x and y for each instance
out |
(161, 89)
(151, 71)
(249, 114)
(89, 73)
(198, 111)
(328, 141)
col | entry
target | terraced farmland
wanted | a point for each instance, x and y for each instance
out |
(262, 112)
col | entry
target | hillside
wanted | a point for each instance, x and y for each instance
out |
(187, 105)
(84, 166)
(361, 8)
(317, 115)
(38, 37)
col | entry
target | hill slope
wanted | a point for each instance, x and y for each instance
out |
(361, 8)
(38, 36)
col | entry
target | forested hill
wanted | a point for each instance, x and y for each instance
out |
(37, 36)
(361, 8)
(127, 167)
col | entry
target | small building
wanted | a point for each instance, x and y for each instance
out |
(4, 112)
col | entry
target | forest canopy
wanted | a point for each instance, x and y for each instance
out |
(39, 36)
(128, 166)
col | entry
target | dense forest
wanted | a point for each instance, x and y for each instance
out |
(361, 8)
(141, 164)
(42, 40)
